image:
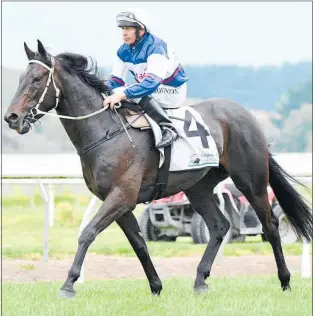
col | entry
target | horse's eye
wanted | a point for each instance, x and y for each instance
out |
(37, 79)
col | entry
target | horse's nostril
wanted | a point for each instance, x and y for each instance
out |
(11, 118)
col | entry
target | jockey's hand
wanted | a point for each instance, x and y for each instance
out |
(114, 99)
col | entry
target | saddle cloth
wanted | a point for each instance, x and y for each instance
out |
(194, 148)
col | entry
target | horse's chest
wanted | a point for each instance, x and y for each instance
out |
(97, 179)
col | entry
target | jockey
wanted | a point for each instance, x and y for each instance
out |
(160, 78)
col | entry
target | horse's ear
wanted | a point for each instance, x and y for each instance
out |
(30, 54)
(41, 48)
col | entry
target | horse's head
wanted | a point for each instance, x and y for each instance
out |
(36, 87)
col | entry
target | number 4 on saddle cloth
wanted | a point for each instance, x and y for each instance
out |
(194, 148)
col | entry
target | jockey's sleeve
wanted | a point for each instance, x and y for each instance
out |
(157, 64)
(118, 74)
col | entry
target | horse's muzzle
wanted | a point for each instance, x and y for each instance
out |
(17, 123)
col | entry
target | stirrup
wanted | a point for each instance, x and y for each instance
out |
(166, 142)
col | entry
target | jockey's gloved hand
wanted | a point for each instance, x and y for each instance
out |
(114, 99)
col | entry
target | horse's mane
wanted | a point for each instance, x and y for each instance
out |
(78, 65)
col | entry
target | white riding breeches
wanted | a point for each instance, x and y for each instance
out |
(168, 97)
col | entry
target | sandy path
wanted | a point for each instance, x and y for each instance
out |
(110, 267)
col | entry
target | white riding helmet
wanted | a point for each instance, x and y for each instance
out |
(135, 18)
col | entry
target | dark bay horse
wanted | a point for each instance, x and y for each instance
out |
(122, 175)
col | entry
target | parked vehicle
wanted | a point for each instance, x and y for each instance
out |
(168, 218)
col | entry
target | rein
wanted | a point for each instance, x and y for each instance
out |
(35, 110)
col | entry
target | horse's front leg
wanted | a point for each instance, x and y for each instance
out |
(115, 205)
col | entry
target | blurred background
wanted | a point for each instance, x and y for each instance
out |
(257, 54)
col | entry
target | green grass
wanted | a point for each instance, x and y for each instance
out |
(22, 233)
(237, 296)
(28, 267)
(23, 238)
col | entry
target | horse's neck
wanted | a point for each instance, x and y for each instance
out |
(78, 100)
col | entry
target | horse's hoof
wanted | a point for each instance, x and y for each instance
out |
(67, 294)
(156, 292)
(201, 289)
(286, 287)
(156, 288)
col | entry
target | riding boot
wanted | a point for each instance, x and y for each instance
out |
(153, 109)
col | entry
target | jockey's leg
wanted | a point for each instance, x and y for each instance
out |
(166, 97)
(153, 109)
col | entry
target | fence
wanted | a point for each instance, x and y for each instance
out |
(58, 169)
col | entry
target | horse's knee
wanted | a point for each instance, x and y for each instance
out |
(219, 229)
(87, 236)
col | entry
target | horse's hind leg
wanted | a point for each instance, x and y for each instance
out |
(130, 227)
(250, 175)
(201, 198)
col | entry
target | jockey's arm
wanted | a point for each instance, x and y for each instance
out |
(118, 74)
(157, 64)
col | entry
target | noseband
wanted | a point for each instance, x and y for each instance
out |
(35, 110)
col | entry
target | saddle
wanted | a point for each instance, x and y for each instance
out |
(136, 119)
(195, 147)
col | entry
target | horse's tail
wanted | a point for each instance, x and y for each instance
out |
(293, 204)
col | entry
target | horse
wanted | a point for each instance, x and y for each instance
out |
(122, 174)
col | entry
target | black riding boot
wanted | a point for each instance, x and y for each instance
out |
(153, 109)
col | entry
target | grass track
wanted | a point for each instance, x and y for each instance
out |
(227, 296)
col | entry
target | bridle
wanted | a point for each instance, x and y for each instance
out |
(35, 110)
